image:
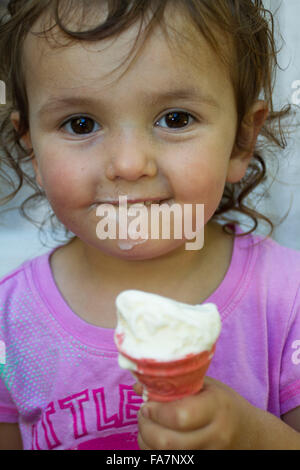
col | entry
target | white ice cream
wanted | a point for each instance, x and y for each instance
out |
(159, 328)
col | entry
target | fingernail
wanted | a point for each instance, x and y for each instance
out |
(145, 411)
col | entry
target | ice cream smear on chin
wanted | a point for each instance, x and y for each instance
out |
(154, 327)
(129, 244)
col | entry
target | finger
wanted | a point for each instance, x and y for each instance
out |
(142, 445)
(155, 437)
(187, 414)
(138, 388)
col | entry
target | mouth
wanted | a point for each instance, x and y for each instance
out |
(149, 202)
(142, 202)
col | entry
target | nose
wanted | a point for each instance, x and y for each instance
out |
(131, 157)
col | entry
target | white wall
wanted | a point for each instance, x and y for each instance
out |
(19, 239)
(286, 188)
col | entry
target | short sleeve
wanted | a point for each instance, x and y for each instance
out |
(290, 364)
(8, 411)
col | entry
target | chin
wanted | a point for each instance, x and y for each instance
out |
(148, 249)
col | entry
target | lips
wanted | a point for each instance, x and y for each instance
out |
(129, 202)
(147, 202)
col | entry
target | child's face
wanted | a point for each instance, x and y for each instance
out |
(130, 147)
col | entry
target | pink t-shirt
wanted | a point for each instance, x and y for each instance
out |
(61, 381)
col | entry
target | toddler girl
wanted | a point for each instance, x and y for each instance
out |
(158, 102)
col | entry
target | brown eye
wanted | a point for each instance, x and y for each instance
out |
(80, 125)
(176, 119)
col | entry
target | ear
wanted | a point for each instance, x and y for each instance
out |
(247, 135)
(26, 141)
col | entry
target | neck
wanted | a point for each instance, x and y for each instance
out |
(167, 272)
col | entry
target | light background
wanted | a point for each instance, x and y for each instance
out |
(19, 239)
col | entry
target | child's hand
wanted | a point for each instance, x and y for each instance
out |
(215, 418)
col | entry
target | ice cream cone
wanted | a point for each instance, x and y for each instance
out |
(170, 380)
(166, 344)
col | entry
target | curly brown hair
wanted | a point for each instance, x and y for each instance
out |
(246, 22)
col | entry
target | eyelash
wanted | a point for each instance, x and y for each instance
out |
(175, 111)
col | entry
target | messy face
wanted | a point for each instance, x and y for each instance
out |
(165, 130)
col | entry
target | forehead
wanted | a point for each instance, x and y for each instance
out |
(183, 57)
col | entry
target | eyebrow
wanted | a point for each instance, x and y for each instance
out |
(181, 94)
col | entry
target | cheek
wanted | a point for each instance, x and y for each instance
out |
(203, 182)
(65, 184)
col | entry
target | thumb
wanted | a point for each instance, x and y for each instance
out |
(209, 382)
